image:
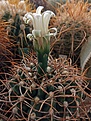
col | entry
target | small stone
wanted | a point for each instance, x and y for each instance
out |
(65, 72)
(51, 81)
(55, 72)
(60, 80)
(73, 91)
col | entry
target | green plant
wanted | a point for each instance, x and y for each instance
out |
(5, 46)
(17, 29)
(54, 96)
(53, 93)
(72, 22)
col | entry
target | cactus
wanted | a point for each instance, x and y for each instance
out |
(73, 25)
(5, 46)
(54, 96)
(42, 88)
(17, 29)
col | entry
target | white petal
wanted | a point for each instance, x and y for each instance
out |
(53, 33)
(37, 21)
(46, 18)
(39, 9)
(28, 17)
(30, 36)
(25, 19)
(36, 33)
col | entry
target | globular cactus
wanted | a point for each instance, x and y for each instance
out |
(54, 96)
(16, 29)
(5, 46)
(73, 25)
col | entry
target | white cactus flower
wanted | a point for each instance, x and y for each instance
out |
(41, 35)
(40, 23)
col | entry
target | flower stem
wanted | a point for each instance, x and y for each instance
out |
(42, 54)
(42, 63)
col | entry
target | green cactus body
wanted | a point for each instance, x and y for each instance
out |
(6, 16)
(42, 48)
(17, 30)
(53, 97)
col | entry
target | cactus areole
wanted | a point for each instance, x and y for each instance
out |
(41, 35)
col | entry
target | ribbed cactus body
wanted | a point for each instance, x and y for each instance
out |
(53, 97)
(42, 60)
(17, 31)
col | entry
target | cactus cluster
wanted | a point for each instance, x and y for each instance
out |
(39, 87)
(54, 96)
